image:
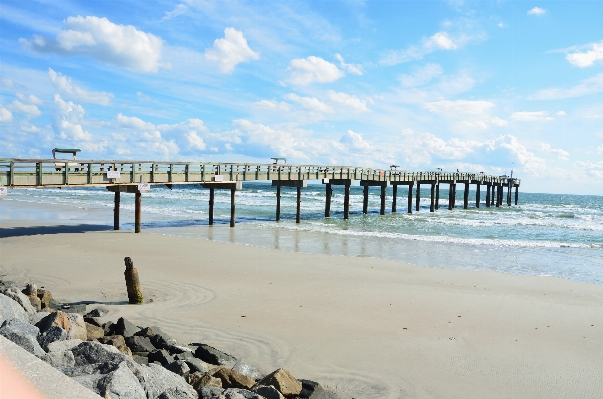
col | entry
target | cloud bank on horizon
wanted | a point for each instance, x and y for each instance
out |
(468, 85)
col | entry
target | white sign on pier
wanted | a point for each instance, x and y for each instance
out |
(3, 192)
(144, 187)
(113, 174)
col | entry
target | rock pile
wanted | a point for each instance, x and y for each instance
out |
(122, 360)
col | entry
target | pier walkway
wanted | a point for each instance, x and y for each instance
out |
(137, 177)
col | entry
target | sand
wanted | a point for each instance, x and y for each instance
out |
(366, 327)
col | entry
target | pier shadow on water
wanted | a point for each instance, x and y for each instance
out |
(57, 229)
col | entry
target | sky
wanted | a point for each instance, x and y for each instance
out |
(479, 86)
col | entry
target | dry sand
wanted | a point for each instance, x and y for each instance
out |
(367, 327)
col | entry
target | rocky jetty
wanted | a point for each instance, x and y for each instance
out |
(122, 360)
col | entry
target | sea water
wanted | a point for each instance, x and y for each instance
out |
(546, 234)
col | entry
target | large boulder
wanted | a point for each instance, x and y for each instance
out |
(198, 365)
(156, 380)
(212, 355)
(208, 392)
(231, 378)
(90, 352)
(139, 343)
(45, 298)
(23, 334)
(35, 302)
(268, 392)
(121, 383)
(248, 370)
(124, 328)
(78, 327)
(56, 318)
(62, 346)
(94, 332)
(98, 312)
(59, 359)
(313, 390)
(10, 309)
(51, 335)
(161, 356)
(179, 367)
(174, 393)
(198, 380)
(118, 342)
(284, 381)
(35, 318)
(159, 339)
(19, 297)
(236, 393)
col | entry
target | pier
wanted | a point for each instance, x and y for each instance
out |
(137, 177)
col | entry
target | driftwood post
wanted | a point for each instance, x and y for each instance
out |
(132, 282)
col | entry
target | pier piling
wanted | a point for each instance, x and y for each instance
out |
(492, 196)
(477, 194)
(211, 206)
(232, 207)
(432, 204)
(418, 199)
(437, 196)
(382, 207)
(346, 202)
(278, 203)
(394, 197)
(487, 195)
(116, 211)
(450, 200)
(498, 195)
(466, 196)
(298, 210)
(365, 200)
(328, 194)
(137, 212)
(516, 195)
(410, 198)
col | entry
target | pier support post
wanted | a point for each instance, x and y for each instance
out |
(232, 207)
(477, 194)
(137, 212)
(211, 206)
(432, 204)
(487, 195)
(516, 194)
(382, 208)
(116, 211)
(418, 199)
(346, 202)
(394, 197)
(410, 198)
(365, 200)
(450, 200)
(328, 194)
(492, 196)
(298, 210)
(498, 195)
(509, 188)
(437, 196)
(466, 196)
(278, 203)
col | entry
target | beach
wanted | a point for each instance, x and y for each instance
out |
(363, 326)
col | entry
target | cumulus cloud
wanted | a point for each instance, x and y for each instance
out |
(561, 154)
(354, 141)
(349, 101)
(272, 105)
(120, 45)
(29, 110)
(421, 76)
(536, 11)
(593, 169)
(528, 116)
(66, 87)
(560, 113)
(194, 141)
(459, 107)
(5, 114)
(230, 51)
(586, 87)
(67, 121)
(31, 99)
(583, 59)
(496, 121)
(354, 69)
(600, 149)
(310, 103)
(313, 69)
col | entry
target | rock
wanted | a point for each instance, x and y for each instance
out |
(118, 342)
(156, 380)
(17, 296)
(124, 328)
(74, 308)
(178, 350)
(282, 380)
(51, 335)
(62, 346)
(187, 355)
(140, 359)
(93, 332)
(94, 321)
(140, 344)
(98, 312)
(162, 356)
(31, 289)
(159, 339)
(235, 393)
(53, 305)
(205, 380)
(78, 327)
(248, 370)
(108, 327)
(197, 365)
(10, 309)
(23, 334)
(35, 318)
(313, 390)
(179, 367)
(45, 298)
(208, 392)
(56, 318)
(231, 378)
(91, 352)
(174, 393)
(212, 355)
(121, 383)
(35, 302)
(59, 359)
(268, 392)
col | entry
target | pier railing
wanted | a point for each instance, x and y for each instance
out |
(22, 173)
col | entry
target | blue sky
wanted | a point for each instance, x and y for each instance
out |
(479, 86)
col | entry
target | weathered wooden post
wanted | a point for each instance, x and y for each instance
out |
(132, 283)
(498, 195)
(382, 208)
(211, 206)
(487, 195)
(466, 196)
(432, 204)
(394, 197)
(410, 197)
(437, 195)
(298, 211)
(509, 188)
(418, 199)
(328, 194)
(516, 194)
(232, 207)
(346, 202)
(493, 196)
(137, 211)
(450, 200)
(116, 211)
(365, 200)
(278, 203)
(477, 194)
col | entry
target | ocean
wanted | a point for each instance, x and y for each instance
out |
(545, 235)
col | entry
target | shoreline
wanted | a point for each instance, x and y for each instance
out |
(367, 327)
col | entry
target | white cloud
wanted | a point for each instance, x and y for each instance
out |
(30, 99)
(527, 116)
(348, 100)
(67, 121)
(65, 86)
(272, 105)
(536, 11)
(502, 25)
(133, 122)
(195, 141)
(421, 76)
(99, 38)
(560, 113)
(583, 59)
(496, 121)
(459, 107)
(351, 68)
(354, 141)
(310, 103)
(587, 86)
(313, 69)
(230, 51)
(29, 110)
(561, 154)
(594, 169)
(5, 114)
(600, 149)
(178, 10)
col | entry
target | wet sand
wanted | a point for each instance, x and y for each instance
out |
(369, 328)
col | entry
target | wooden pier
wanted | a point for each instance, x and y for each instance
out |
(136, 177)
